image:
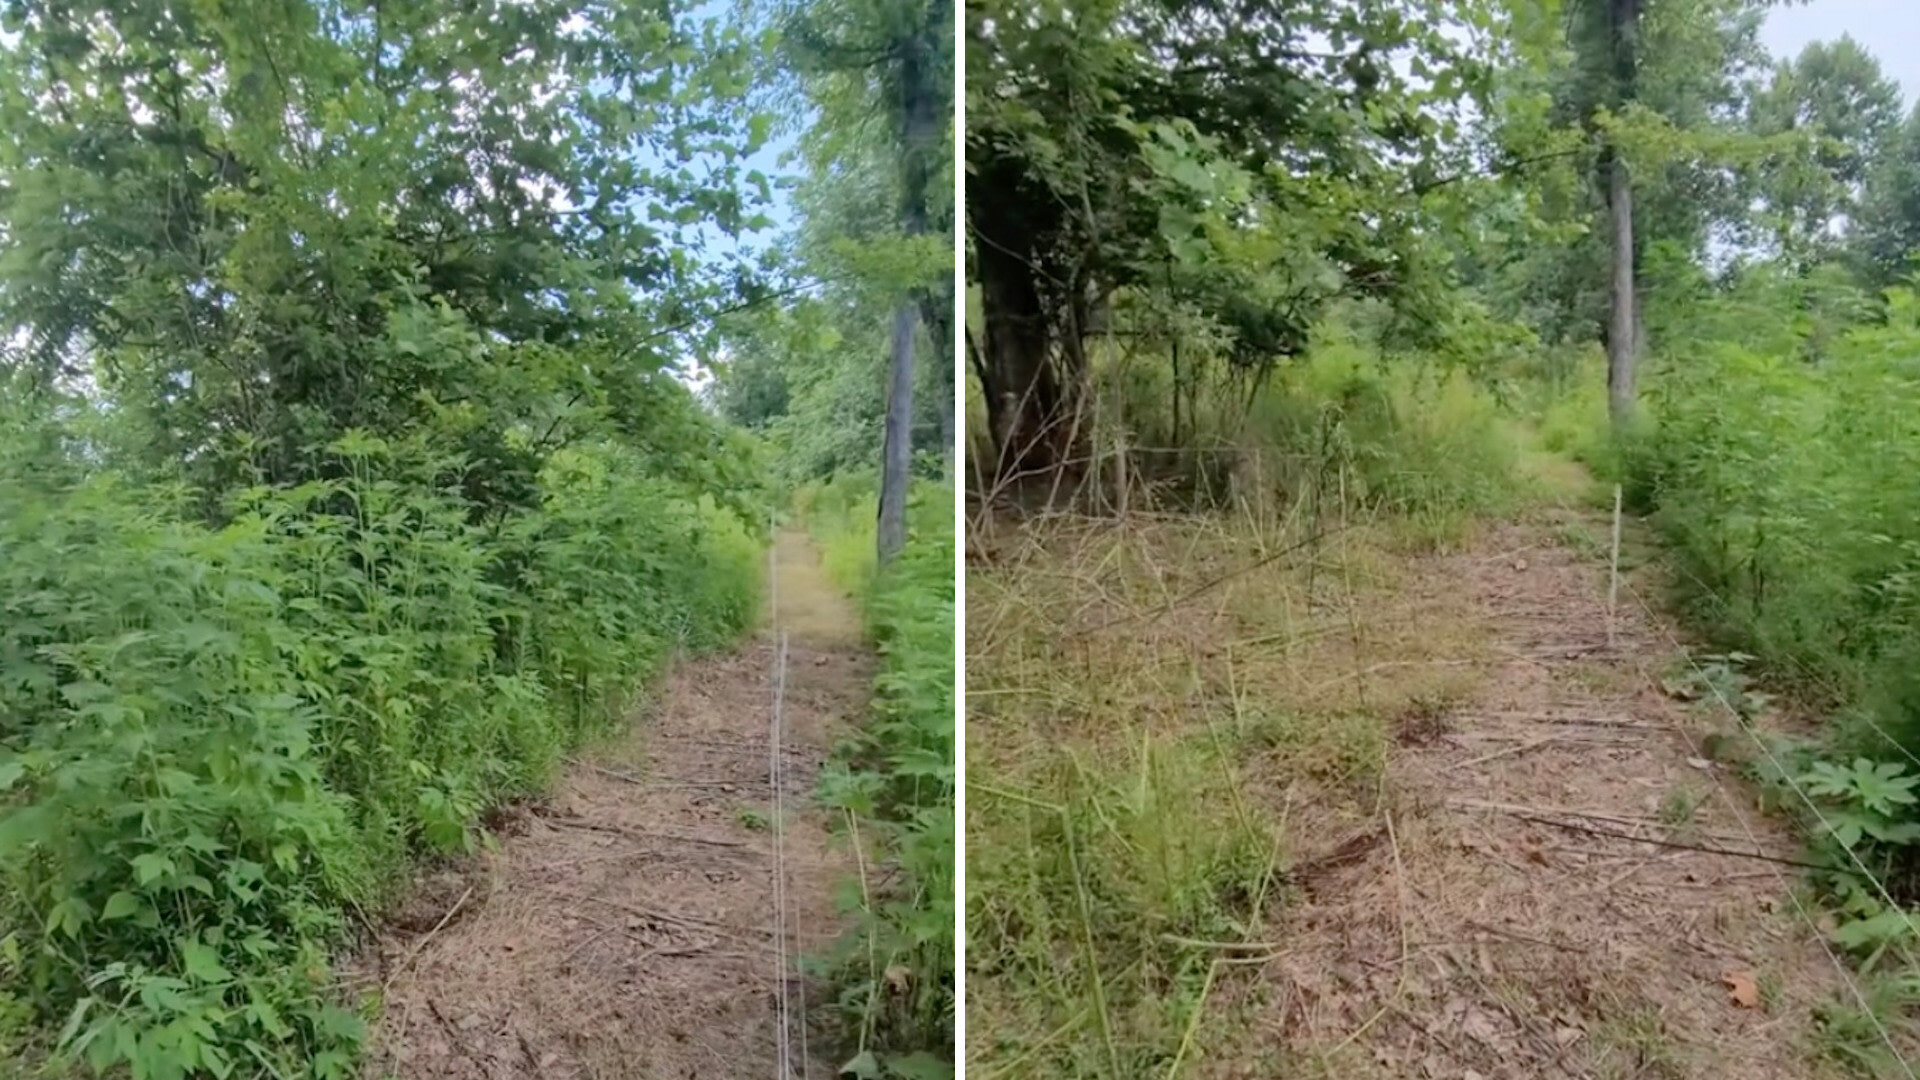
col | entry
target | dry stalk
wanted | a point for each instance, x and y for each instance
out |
(420, 946)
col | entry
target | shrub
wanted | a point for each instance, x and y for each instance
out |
(1784, 488)
(215, 740)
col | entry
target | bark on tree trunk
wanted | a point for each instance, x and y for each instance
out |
(1623, 329)
(897, 449)
(1023, 391)
(936, 314)
(920, 126)
(1623, 326)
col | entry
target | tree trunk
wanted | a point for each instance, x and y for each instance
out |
(936, 314)
(1623, 329)
(1024, 395)
(920, 125)
(897, 447)
(1623, 326)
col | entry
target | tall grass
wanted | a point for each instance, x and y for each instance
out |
(1147, 717)
(1155, 732)
(1407, 436)
(217, 743)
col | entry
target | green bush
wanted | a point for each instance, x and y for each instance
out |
(215, 740)
(1411, 435)
(1785, 489)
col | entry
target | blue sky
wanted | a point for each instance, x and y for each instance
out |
(1889, 29)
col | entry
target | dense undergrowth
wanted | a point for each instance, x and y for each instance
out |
(894, 781)
(1781, 485)
(223, 742)
(1347, 427)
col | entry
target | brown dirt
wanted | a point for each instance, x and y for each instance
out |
(1446, 935)
(625, 931)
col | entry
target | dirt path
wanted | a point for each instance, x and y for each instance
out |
(625, 929)
(1460, 934)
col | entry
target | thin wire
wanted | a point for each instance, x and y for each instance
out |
(776, 781)
(1846, 976)
(780, 854)
(799, 939)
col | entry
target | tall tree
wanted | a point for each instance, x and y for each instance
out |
(1844, 108)
(1888, 236)
(892, 59)
(261, 228)
(1075, 110)
(1623, 32)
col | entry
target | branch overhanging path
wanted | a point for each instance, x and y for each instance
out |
(628, 925)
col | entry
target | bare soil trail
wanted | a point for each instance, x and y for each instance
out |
(1510, 911)
(625, 927)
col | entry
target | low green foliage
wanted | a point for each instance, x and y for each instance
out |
(1769, 478)
(841, 513)
(1101, 894)
(895, 781)
(219, 739)
(1346, 426)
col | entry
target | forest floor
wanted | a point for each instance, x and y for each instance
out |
(1486, 793)
(624, 927)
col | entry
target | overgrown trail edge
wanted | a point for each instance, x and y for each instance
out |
(627, 927)
(1512, 908)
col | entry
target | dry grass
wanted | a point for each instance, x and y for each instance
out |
(1135, 691)
(1213, 828)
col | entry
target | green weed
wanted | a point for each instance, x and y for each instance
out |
(1633, 1044)
(220, 739)
(894, 782)
(1678, 808)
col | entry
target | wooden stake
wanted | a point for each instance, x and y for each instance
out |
(1613, 574)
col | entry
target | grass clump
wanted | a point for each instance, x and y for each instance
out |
(1114, 850)
(1141, 719)
(842, 516)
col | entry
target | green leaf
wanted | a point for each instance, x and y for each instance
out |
(120, 905)
(920, 1066)
(202, 963)
(75, 1017)
(151, 866)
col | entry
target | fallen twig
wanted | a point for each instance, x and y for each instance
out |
(1519, 749)
(640, 781)
(1591, 831)
(413, 954)
(643, 834)
(1517, 936)
(689, 921)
